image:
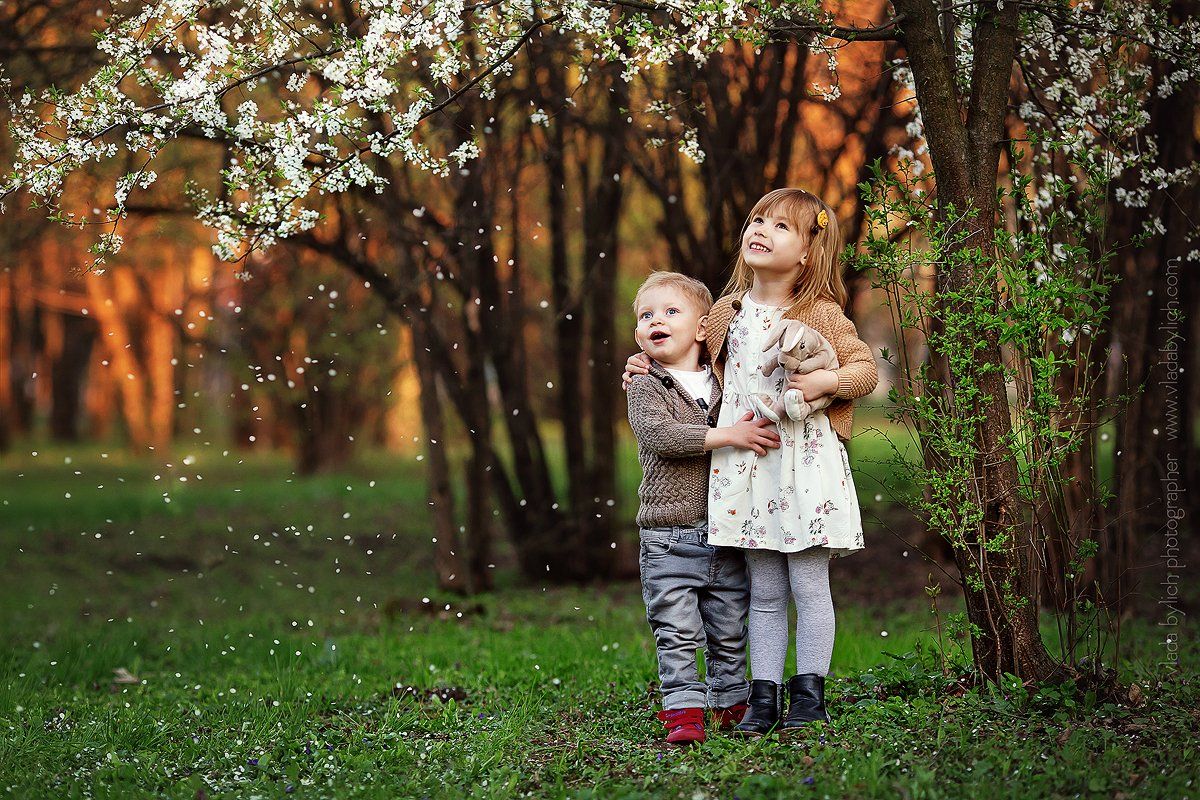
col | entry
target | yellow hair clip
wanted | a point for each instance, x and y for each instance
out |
(822, 219)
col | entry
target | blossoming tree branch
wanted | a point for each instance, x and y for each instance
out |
(343, 94)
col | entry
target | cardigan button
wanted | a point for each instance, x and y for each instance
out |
(667, 382)
(737, 305)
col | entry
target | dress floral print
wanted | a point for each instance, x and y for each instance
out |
(798, 496)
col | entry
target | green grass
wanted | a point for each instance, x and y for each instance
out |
(269, 634)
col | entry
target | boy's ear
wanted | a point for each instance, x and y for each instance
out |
(702, 329)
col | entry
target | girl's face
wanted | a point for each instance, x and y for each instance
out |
(773, 245)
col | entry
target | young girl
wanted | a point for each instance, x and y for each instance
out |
(795, 507)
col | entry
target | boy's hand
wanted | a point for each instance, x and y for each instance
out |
(815, 384)
(638, 364)
(749, 433)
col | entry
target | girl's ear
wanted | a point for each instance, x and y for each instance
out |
(809, 248)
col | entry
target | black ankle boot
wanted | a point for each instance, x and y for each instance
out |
(806, 702)
(766, 706)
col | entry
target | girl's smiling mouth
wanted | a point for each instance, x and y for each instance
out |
(759, 247)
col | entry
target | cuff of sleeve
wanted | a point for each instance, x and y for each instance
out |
(844, 390)
(693, 439)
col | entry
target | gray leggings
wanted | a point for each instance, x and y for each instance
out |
(774, 577)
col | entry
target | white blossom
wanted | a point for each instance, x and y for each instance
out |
(1082, 104)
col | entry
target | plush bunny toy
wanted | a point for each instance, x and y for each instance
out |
(803, 350)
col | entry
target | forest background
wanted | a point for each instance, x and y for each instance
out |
(418, 402)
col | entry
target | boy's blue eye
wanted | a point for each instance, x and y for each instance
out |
(644, 315)
(672, 310)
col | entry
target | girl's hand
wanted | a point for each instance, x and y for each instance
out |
(638, 364)
(815, 384)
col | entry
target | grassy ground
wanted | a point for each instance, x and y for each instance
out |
(279, 636)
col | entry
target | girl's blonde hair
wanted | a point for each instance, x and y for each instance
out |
(821, 277)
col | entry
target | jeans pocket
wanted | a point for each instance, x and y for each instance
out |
(654, 548)
(655, 542)
(690, 549)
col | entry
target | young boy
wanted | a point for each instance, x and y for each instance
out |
(696, 595)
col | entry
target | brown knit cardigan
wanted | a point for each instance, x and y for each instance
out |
(670, 427)
(857, 374)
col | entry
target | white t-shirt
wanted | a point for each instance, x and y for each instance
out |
(697, 384)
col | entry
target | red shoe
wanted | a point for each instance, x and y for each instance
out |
(726, 718)
(684, 725)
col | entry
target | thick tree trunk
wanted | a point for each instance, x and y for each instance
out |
(67, 338)
(568, 317)
(607, 553)
(537, 528)
(499, 318)
(160, 345)
(995, 559)
(479, 488)
(118, 342)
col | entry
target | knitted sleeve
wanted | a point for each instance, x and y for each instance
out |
(857, 374)
(654, 426)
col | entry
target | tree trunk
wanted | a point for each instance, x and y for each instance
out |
(323, 428)
(68, 373)
(568, 316)
(101, 398)
(607, 553)
(24, 349)
(7, 406)
(995, 559)
(118, 343)
(160, 339)
(451, 572)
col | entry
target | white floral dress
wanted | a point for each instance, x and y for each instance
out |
(797, 496)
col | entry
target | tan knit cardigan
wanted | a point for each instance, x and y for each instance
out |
(670, 427)
(857, 374)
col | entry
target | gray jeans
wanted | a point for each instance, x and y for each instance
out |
(696, 596)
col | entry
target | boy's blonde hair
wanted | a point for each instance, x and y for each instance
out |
(694, 290)
(822, 276)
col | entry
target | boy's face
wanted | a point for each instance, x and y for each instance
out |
(670, 327)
